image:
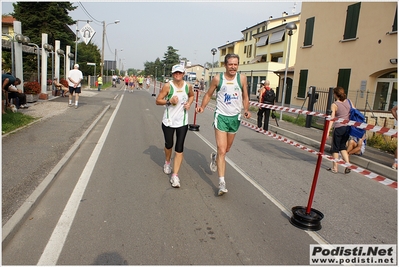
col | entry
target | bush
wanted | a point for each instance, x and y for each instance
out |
(383, 143)
(32, 88)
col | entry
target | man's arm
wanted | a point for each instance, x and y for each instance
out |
(209, 93)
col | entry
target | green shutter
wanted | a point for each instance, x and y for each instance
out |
(395, 22)
(343, 79)
(303, 80)
(309, 31)
(352, 19)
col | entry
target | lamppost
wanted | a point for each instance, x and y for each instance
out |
(156, 68)
(116, 63)
(61, 53)
(291, 26)
(12, 52)
(38, 60)
(102, 47)
(49, 48)
(213, 51)
(164, 66)
(76, 38)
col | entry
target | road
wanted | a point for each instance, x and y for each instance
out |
(112, 203)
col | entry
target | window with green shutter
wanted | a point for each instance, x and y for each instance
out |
(309, 32)
(343, 79)
(352, 19)
(303, 80)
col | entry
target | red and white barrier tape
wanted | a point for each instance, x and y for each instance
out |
(364, 172)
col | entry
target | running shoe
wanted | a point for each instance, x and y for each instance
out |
(222, 189)
(213, 165)
(175, 181)
(167, 169)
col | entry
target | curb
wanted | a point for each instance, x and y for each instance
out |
(13, 224)
(359, 161)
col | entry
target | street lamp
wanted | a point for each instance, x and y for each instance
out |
(61, 53)
(164, 66)
(102, 47)
(291, 26)
(49, 48)
(156, 68)
(38, 60)
(213, 51)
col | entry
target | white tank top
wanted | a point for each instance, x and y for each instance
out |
(229, 96)
(175, 115)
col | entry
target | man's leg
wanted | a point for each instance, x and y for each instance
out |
(221, 143)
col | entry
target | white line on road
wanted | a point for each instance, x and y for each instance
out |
(316, 237)
(57, 240)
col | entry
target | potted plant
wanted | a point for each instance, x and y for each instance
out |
(32, 91)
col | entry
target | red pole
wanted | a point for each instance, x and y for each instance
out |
(319, 159)
(196, 103)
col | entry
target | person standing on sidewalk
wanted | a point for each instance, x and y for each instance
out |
(231, 96)
(266, 96)
(100, 81)
(178, 96)
(74, 82)
(340, 109)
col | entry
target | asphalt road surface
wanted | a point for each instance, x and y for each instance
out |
(112, 203)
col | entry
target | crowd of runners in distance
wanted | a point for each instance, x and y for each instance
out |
(136, 82)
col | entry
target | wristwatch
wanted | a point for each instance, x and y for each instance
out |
(168, 102)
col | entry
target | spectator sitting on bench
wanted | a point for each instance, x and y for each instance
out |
(59, 86)
(17, 97)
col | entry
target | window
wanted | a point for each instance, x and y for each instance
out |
(277, 57)
(309, 32)
(245, 49)
(262, 41)
(352, 19)
(343, 79)
(277, 37)
(250, 36)
(303, 80)
(246, 36)
(249, 51)
(395, 22)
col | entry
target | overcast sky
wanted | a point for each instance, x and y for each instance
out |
(146, 28)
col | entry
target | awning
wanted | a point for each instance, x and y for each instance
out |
(277, 37)
(256, 59)
(262, 41)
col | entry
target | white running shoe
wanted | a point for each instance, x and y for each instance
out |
(167, 169)
(175, 181)
(213, 165)
(222, 189)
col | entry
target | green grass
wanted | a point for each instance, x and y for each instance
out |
(12, 121)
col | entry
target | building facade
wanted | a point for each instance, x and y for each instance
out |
(349, 44)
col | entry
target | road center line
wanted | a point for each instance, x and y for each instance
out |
(57, 240)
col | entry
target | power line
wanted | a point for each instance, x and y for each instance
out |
(88, 14)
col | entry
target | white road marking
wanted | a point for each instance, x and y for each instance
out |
(57, 240)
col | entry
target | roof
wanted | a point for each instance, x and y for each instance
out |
(290, 69)
(7, 20)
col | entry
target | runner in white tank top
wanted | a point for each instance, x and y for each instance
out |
(232, 95)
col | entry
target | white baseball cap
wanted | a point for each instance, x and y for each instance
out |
(262, 82)
(76, 66)
(179, 68)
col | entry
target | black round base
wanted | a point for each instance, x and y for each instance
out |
(304, 221)
(152, 94)
(193, 127)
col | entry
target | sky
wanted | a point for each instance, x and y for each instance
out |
(147, 28)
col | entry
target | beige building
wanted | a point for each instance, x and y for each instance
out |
(353, 45)
(262, 51)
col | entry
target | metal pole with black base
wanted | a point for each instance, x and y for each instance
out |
(307, 218)
(195, 127)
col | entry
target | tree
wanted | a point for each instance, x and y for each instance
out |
(44, 17)
(170, 58)
(89, 53)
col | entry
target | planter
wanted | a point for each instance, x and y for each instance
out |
(30, 98)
